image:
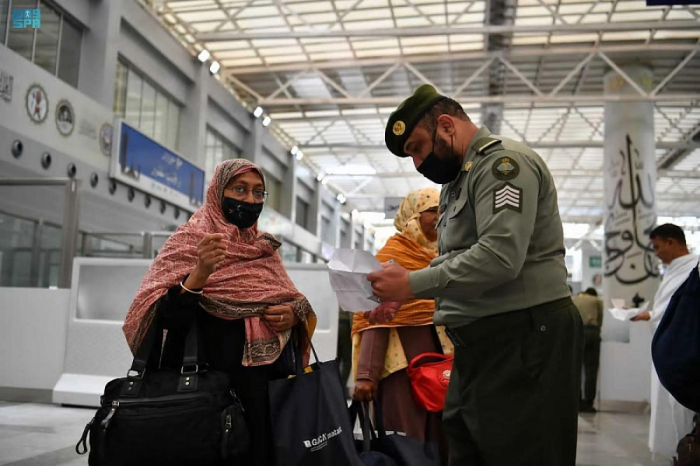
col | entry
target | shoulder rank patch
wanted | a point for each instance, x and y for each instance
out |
(505, 168)
(468, 166)
(507, 197)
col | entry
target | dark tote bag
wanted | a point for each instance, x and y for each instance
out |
(310, 419)
(675, 348)
(369, 446)
(405, 451)
(169, 417)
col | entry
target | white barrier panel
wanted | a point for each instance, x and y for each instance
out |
(96, 350)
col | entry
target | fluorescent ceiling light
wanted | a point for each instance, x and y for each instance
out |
(257, 112)
(300, 155)
(204, 55)
(294, 150)
(320, 176)
(215, 67)
(341, 198)
(353, 170)
(267, 120)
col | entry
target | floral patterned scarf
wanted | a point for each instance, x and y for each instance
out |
(250, 279)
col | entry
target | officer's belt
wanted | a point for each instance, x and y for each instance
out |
(507, 325)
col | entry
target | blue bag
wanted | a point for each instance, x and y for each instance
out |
(675, 348)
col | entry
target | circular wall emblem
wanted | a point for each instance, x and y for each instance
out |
(65, 118)
(37, 103)
(105, 139)
(399, 128)
(505, 168)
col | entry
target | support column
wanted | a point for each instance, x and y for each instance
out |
(630, 267)
(98, 52)
(315, 210)
(193, 121)
(288, 198)
(335, 224)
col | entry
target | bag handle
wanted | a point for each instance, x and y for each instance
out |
(190, 364)
(298, 363)
(361, 410)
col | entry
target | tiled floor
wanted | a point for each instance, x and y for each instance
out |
(45, 435)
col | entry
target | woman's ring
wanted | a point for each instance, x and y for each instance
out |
(281, 317)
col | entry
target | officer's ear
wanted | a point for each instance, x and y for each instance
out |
(446, 123)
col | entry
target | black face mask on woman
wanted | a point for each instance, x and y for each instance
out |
(240, 213)
(438, 169)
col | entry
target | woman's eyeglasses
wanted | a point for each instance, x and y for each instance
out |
(242, 191)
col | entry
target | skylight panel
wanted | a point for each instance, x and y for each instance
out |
(266, 23)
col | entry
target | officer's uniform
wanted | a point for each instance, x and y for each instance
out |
(500, 288)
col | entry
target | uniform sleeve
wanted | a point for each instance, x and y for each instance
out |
(505, 210)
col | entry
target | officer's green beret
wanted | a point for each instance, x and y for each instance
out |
(407, 115)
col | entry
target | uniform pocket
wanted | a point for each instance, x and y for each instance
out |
(457, 206)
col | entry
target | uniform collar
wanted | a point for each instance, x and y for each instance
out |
(470, 154)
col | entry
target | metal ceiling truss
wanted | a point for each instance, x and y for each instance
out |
(451, 30)
(537, 95)
(518, 52)
(557, 174)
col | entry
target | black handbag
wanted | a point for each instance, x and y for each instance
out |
(161, 416)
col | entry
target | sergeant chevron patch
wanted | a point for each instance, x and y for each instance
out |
(507, 197)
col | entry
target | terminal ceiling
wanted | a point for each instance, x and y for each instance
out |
(329, 72)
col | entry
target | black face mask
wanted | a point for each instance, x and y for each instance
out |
(240, 213)
(440, 170)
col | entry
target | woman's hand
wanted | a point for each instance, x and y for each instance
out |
(210, 252)
(365, 390)
(281, 317)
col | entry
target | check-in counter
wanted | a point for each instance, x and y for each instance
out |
(102, 290)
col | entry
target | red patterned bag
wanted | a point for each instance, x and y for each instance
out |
(429, 380)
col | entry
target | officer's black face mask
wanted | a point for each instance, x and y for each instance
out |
(440, 170)
(240, 213)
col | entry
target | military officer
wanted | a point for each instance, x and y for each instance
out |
(500, 288)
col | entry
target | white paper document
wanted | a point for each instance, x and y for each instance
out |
(348, 271)
(619, 312)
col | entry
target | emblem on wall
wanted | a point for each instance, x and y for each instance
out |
(37, 103)
(65, 118)
(6, 86)
(105, 139)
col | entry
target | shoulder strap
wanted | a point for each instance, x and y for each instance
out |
(484, 146)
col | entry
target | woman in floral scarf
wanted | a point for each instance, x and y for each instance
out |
(381, 352)
(219, 269)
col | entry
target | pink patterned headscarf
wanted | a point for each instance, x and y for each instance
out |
(250, 279)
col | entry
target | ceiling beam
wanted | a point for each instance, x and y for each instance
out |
(522, 98)
(453, 30)
(556, 173)
(517, 52)
(535, 145)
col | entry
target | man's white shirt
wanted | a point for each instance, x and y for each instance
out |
(676, 273)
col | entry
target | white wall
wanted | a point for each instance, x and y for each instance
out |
(625, 368)
(32, 337)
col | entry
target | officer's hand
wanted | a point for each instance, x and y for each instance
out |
(641, 316)
(385, 312)
(365, 390)
(391, 283)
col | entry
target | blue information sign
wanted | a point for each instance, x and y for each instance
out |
(139, 161)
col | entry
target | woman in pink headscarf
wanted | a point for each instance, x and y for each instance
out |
(219, 269)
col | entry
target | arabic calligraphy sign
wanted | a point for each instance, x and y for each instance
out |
(631, 215)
